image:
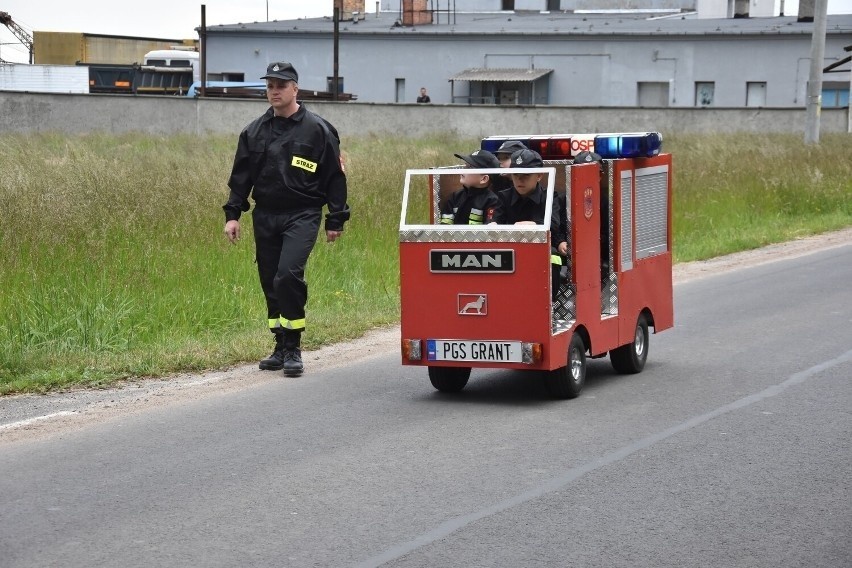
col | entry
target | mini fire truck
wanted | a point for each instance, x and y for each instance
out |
(479, 296)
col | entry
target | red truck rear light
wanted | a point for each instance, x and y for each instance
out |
(412, 349)
(531, 353)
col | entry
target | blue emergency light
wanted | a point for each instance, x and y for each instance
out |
(565, 146)
(630, 145)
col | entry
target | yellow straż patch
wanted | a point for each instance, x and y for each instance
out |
(304, 164)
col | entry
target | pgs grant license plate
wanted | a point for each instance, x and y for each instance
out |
(487, 351)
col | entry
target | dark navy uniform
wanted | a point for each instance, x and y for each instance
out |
(291, 168)
(472, 206)
(531, 207)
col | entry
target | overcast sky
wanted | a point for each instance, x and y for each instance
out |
(177, 19)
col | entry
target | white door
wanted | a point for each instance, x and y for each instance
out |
(756, 94)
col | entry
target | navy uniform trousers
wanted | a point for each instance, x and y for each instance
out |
(283, 241)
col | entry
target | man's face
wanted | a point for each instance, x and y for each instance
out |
(281, 94)
(505, 160)
(525, 183)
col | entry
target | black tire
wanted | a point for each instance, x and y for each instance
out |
(449, 379)
(630, 359)
(568, 381)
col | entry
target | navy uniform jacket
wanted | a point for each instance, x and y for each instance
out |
(288, 164)
(531, 208)
(472, 206)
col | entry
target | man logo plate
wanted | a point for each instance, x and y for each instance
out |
(484, 261)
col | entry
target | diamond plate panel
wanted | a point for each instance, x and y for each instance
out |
(609, 296)
(476, 236)
(564, 310)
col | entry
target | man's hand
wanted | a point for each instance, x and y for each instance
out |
(232, 231)
(331, 236)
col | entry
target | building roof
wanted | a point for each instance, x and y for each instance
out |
(544, 24)
(501, 74)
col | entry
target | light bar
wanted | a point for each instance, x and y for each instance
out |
(566, 146)
(629, 145)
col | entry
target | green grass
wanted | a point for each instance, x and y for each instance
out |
(757, 190)
(115, 265)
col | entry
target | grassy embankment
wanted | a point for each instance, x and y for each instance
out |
(114, 264)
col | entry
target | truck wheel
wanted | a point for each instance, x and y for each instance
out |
(568, 381)
(449, 379)
(629, 359)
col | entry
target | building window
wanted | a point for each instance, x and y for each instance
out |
(508, 5)
(329, 81)
(400, 91)
(756, 94)
(553, 5)
(704, 93)
(835, 96)
(234, 77)
(653, 95)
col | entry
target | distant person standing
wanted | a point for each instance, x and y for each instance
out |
(423, 98)
(288, 160)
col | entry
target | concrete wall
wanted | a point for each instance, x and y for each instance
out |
(77, 114)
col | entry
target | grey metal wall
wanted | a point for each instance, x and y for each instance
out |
(587, 71)
(76, 114)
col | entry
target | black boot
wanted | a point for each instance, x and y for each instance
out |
(275, 362)
(292, 356)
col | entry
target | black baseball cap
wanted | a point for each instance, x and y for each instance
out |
(526, 159)
(281, 70)
(586, 157)
(480, 159)
(509, 147)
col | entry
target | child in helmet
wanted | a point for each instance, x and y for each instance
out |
(475, 203)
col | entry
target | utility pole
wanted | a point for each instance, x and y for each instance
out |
(202, 46)
(814, 91)
(335, 79)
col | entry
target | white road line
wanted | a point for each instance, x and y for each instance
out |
(28, 421)
(555, 484)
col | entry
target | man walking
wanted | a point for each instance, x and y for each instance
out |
(288, 161)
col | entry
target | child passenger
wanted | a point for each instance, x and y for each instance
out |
(504, 156)
(475, 203)
(524, 204)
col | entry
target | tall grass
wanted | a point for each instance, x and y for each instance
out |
(743, 192)
(114, 264)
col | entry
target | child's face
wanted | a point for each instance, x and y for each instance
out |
(474, 180)
(525, 183)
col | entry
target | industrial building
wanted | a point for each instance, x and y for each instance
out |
(669, 53)
(71, 48)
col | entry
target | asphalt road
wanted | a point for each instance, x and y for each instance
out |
(732, 449)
